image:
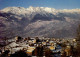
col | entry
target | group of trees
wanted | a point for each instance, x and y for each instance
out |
(19, 54)
(41, 51)
(5, 54)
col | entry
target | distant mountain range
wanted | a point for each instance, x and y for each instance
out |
(39, 21)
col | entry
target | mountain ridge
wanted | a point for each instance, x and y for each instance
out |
(39, 21)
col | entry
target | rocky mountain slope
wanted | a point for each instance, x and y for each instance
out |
(39, 21)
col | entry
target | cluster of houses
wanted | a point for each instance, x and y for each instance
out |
(35, 46)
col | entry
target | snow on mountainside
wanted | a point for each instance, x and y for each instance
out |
(30, 10)
(39, 21)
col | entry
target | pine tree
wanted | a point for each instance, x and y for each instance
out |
(78, 34)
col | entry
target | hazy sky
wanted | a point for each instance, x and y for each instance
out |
(58, 4)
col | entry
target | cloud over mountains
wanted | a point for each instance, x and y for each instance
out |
(39, 21)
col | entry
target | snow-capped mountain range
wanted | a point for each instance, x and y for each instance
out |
(39, 21)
